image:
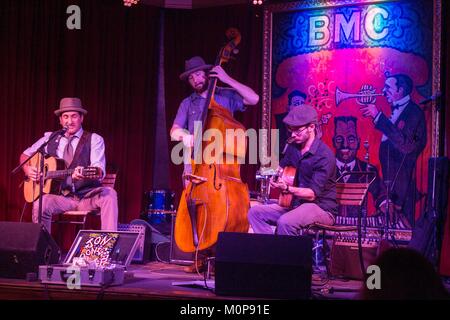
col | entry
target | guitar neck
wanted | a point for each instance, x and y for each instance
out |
(59, 173)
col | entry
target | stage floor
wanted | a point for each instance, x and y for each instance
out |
(156, 281)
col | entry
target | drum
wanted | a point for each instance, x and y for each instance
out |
(159, 206)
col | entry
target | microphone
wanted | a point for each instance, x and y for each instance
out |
(290, 140)
(431, 98)
(64, 130)
(59, 133)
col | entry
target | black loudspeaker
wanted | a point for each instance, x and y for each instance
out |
(164, 248)
(24, 247)
(428, 231)
(261, 265)
(441, 165)
(163, 245)
(178, 256)
(160, 246)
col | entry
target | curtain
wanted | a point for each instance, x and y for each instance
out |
(444, 267)
(202, 33)
(111, 64)
(161, 150)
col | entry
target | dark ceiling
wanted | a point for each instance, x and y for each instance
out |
(192, 4)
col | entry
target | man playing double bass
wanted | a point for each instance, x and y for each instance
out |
(234, 98)
(190, 110)
(315, 186)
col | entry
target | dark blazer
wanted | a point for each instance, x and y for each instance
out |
(398, 155)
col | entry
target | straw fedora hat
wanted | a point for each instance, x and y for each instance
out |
(70, 104)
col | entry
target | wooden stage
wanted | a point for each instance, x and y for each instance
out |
(156, 281)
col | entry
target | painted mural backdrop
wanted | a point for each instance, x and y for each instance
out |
(342, 59)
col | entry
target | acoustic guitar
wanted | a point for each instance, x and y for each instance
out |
(285, 199)
(55, 172)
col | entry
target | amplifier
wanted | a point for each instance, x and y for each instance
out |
(344, 260)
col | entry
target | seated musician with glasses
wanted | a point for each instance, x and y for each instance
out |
(296, 99)
(314, 187)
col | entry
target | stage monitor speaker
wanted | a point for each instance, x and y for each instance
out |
(261, 265)
(24, 247)
(143, 250)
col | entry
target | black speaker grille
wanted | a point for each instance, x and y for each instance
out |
(23, 247)
(257, 265)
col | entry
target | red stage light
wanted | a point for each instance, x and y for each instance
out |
(129, 3)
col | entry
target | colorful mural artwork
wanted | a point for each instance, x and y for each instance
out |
(364, 67)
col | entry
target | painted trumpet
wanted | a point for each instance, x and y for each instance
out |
(365, 96)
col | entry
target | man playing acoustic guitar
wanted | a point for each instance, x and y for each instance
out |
(79, 149)
(314, 193)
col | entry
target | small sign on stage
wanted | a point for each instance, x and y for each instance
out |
(96, 258)
(97, 248)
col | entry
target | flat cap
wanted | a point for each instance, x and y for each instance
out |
(300, 116)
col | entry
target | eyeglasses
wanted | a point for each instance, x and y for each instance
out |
(298, 131)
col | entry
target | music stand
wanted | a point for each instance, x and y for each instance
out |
(355, 194)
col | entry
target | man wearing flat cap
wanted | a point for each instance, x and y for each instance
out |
(314, 190)
(78, 148)
(234, 98)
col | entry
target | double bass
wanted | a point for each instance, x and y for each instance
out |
(215, 198)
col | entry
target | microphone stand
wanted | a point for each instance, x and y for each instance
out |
(42, 154)
(388, 185)
(387, 215)
(366, 205)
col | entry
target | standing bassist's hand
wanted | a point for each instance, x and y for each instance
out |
(219, 73)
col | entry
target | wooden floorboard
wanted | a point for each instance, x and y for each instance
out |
(153, 281)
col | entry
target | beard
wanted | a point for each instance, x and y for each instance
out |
(202, 88)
